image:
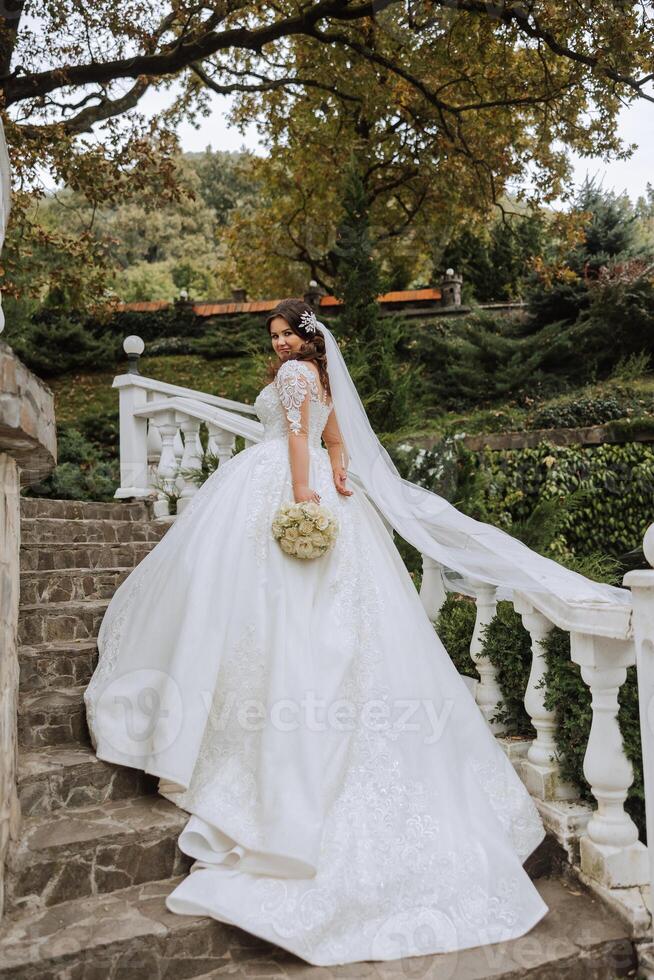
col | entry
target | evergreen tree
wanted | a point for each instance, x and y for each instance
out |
(372, 340)
(494, 260)
(610, 235)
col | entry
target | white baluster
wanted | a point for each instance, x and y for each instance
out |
(134, 480)
(167, 468)
(191, 457)
(611, 852)
(178, 449)
(641, 583)
(221, 442)
(487, 692)
(432, 588)
(154, 448)
(540, 770)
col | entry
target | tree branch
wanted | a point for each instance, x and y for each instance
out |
(267, 84)
(84, 120)
(184, 53)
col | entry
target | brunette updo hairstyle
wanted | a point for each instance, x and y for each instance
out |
(314, 343)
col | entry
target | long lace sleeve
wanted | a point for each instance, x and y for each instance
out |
(293, 382)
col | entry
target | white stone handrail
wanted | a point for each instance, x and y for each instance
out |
(159, 435)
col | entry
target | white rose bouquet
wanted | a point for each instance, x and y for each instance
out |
(304, 529)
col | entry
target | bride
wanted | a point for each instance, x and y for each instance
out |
(347, 799)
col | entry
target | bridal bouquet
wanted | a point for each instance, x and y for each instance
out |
(305, 529)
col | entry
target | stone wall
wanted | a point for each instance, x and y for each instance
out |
(27, 454)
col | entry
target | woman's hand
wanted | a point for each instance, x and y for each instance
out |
(340, 476)
(304, 492)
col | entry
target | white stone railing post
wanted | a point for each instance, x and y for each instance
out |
(167, 468)
(432, 589)
(191, 457)
(134, 479)
(540, 769)
(610, 852)
(221, 442)
(487, 692)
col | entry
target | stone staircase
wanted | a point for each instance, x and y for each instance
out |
(98, 852)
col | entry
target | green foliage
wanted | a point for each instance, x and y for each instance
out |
(631, 367)
(231, 337)
(586, 506)
(609, 235)
(494, 260)
(455, 626)
(54, 345)
(568, 695)
(449, 470)
(629, 722)
(613, 512)
(175, 320)
(619, 325)
(388, 388)
(83, 471)
(481, 358)
(507, 644)
(577, 412)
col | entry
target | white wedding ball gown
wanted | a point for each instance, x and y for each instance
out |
(347, 799)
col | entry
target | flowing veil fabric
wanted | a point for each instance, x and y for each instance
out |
(472, 549)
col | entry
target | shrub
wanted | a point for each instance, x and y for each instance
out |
(577, 412)
(455, 625)
(507, 644)
(82, 471)
(52, 346)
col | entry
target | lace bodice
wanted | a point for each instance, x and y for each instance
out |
(278, 404)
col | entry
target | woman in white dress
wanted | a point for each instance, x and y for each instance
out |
(347, 799)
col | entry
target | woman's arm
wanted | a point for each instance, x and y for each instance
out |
(292, 382)
(333, 440)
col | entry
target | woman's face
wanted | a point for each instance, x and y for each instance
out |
(283, 339)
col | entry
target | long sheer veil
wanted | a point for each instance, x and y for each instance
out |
(468, 550)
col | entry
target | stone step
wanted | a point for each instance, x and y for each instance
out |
(70, 584)
(57, 664)
(131, 935)
(58, 776)
(94, 850)
(64, 554)
(52, 717)
(47, 530)
(60, 621)
(79, 509)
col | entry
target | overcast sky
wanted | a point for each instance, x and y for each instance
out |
(636, 125)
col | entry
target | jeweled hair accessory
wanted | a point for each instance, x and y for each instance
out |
(308, 321)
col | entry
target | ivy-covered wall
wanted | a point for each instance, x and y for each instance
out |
(613, 483)
(619, 478)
